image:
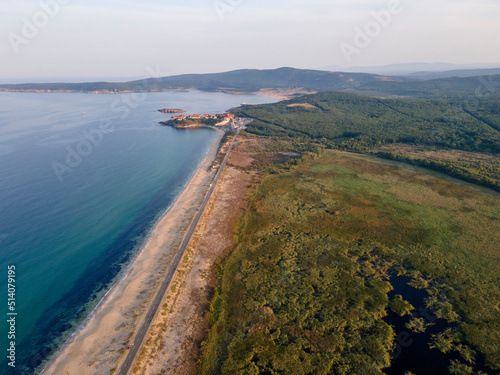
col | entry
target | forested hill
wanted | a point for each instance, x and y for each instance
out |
(361, 122)
(448, 136)
(424, 76)
(247, 80)
(282, 78)
(253, 80)
(453, 87)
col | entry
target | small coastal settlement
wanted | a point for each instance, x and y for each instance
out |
(219, 119)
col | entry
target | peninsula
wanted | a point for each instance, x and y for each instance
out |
(196, 120)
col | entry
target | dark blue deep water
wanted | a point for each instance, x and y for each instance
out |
(82, 180)
(412, 352)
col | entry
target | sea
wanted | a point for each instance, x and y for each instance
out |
(83, 178)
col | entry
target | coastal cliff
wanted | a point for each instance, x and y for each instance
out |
(205, 123)
(185, 124)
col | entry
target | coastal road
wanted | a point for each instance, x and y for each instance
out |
(153, 308)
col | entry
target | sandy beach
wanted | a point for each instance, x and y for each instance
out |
(101, 344)
(178, 332)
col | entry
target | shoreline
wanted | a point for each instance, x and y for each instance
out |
(182, 324)
(278, 94)
(77, 355)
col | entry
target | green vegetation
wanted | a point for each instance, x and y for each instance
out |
(457, 368)
(485, 174)
(244, 80)
(305, 290)
(190, 122)
(386, 127)
(416, 325)
(465, 88)
(400, 306)
(450, 340)
(445, 341)
(487, 109)
(253, 80)
(359, 123)
(419, 283)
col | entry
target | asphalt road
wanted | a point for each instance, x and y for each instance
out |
(153, 309)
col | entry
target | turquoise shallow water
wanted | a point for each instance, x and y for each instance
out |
(83, 178)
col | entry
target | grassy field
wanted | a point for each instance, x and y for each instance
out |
(305, 291)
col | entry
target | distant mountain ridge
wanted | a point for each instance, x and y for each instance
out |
(246, 80)
(253, 80)
(453, 87)
(406, 69)
(424, 76)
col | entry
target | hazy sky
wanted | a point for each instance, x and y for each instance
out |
(112, 38)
